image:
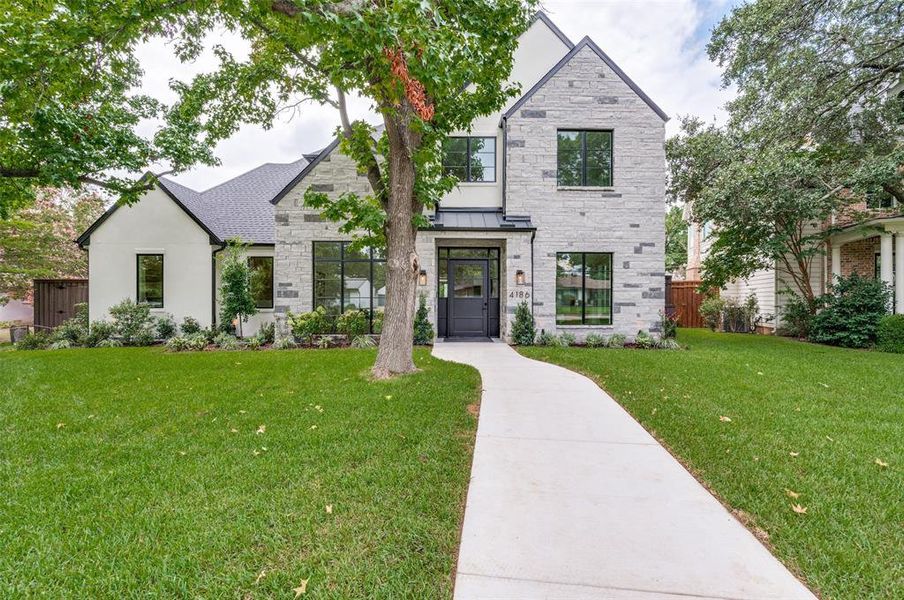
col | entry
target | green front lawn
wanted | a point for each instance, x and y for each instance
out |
(805, 419)
(135, 472)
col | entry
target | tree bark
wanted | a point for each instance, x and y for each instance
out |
(395, 354)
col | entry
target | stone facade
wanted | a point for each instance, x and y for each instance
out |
(627, 219)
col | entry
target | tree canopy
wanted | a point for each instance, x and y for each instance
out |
(69, 112)
(815, 129)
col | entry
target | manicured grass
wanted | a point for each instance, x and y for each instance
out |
(136, 472)
(836, 410)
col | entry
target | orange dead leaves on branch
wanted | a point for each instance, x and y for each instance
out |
(415, 91)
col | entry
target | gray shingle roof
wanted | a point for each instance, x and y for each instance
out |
(241, 206)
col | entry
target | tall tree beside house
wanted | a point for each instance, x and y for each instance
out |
(236, 297)
(37, 240)
(430, 68)
(675, 239)
(815, 128)
(68, 106)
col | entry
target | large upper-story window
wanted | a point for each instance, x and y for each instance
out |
(261, 280)
(584, 158)
(470, 159)
(583, 288)
(347, 279)
(150, 280)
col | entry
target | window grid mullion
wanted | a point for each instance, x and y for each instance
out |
(583, 288)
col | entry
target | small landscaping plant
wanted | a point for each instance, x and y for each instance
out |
(423, 330)
(224, 341)
(267, 333)
(306, 325)
(546, 339)
(797, 316)
(711, 312)
(616, 340)
(236, 299)
(363, 341)
(352, 323)
(852, 312)
(100, 332)
(644, 340)
(668, 344)
(165, 327)
(890, 334)
(595, 340)
(283, 343)
(133, 323)
(523, 330)
(190, 326)
(74, 331)
(38, 340)
(668, 325)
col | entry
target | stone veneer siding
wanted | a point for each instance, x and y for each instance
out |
(627, 219)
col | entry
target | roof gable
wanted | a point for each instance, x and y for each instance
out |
(586, 43)
(85, 238)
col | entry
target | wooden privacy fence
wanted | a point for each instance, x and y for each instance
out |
(55, 300)
(683, 300)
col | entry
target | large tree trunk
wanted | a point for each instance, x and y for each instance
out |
(402, 264)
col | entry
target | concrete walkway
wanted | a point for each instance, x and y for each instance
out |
(571, 498)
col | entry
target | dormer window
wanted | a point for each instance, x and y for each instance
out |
(470, 159)
(584, 158)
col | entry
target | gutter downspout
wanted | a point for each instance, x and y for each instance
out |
(533, 234)
(213, 284)
(504, 125)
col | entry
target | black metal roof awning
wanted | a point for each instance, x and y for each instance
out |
(478, 220)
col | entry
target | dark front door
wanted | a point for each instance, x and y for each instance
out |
(468, 297)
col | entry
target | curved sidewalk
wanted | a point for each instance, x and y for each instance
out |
(571, 498)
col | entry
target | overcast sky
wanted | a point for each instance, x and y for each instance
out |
(661, 45)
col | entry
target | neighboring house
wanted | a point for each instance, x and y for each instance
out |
(561, 204)
(18, 312)
(870, 242)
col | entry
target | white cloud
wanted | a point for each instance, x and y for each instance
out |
(659, 44)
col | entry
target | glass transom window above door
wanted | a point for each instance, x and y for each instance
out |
(490, 254)
(470, 159)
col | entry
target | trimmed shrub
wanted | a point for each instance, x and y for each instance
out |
(38, 340)
(711, 312)
(224, 341)
(109, 343)
(133, 322)
(852, 312)
(644, 340)
(190, 326)
(197, 341)
(567, 339)
(253, 343)
(98, 332)
(377, 322)
(60, 345)
(352, 323)
(616, 340)
(890, 334)
(165, 327)
(267, 333)
(423, 329)
(71, 331)
(595, 340)
(546, 339)
(523, 330)
(797, 316)
(306, 325)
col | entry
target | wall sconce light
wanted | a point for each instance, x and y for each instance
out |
(519, 277)
(422, 278)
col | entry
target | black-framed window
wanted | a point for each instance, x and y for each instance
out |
(149, 276)
(490, 254)
(349, 279)
(470, 159)
(261, 268)
(584, 158)
(583, 288)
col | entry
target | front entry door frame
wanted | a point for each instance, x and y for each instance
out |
(465, 310)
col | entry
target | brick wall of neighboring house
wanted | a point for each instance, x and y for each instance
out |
(627, 219)
(860, 257)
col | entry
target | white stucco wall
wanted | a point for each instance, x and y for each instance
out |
(539, 49)
(154, 225)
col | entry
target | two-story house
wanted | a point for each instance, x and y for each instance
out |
(561, 204)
